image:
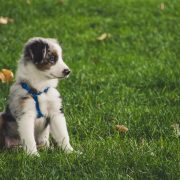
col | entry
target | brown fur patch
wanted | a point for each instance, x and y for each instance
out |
(47, 63)
(54, 53)
(44, 66)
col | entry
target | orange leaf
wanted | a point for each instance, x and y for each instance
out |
(7, 74)
(2, 77)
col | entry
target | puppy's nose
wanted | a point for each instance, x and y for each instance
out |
(66, 72)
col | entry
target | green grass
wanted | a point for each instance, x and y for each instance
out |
(132, 78)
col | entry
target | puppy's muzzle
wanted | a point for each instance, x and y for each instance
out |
(66, 72)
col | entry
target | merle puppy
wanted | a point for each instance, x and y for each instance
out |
(34, 108)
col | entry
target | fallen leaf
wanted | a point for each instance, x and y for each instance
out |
(176, 129)
(60, 1)
(103, 36)
(162, 6)
(28, 1)
(2, 77)
(6, 20)
(8, 74)
(121, 128)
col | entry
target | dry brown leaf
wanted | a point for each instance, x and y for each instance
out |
(103, 36)
(6, 20)
(162, 6)
(121, 128)
(8, 74)
(176, 129)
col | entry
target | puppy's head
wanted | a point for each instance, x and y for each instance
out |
(46, 56)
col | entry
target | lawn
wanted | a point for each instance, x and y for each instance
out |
(131, 77)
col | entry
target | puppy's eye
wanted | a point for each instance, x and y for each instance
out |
(52, 59)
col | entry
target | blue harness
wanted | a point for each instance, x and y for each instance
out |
(35, 97)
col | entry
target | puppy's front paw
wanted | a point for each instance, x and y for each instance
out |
(33, 154)
(68, 149)
(31, 151)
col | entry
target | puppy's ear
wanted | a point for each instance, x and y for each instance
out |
(36, 51)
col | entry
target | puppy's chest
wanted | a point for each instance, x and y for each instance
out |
(49, 103)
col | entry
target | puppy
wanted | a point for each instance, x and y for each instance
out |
(34, 108)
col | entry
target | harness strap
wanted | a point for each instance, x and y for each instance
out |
(35, 97)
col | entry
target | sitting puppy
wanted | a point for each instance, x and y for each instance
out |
(34, 108)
